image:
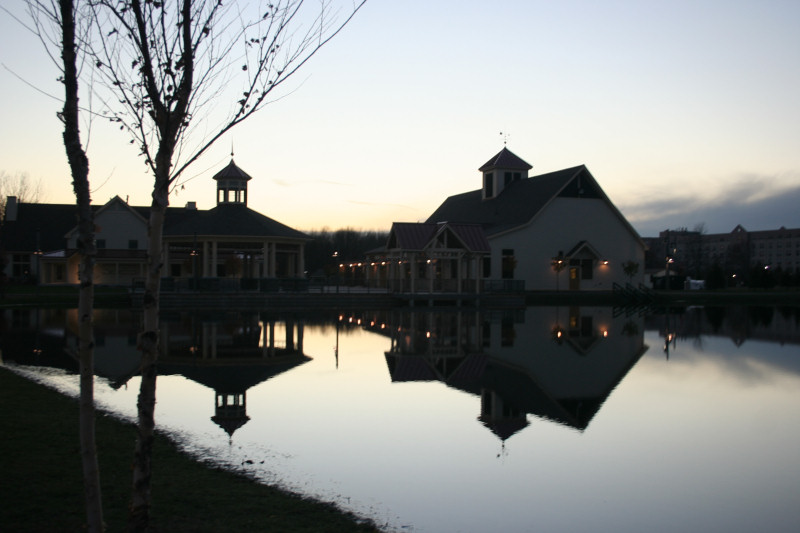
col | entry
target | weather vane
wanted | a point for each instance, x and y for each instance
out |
(505, 137)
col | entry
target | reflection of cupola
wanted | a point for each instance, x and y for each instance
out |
(501, 170)
(232, 185)
(500, 417)
(231, 411)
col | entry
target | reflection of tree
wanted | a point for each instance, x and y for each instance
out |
(715, 316)
(761, 315)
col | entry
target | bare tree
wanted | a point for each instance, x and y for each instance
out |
(55, 23)
(166, 67)
(20, 185)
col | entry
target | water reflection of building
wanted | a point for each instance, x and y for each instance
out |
(739, 323)
(559, 364)
(228, 353)
(230, 356)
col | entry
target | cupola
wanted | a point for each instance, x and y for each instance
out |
(232, 185)
(502, 170)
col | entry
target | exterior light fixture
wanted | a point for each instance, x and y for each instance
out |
(605, 261)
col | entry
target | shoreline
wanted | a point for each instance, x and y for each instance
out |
(42, 488)
(362, 298)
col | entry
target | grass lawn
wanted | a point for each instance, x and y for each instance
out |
(41, 488)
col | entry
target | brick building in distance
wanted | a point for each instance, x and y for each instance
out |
(738, 254)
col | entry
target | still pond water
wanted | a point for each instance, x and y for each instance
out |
(544, 419)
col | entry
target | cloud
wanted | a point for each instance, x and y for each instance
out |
(757, 202)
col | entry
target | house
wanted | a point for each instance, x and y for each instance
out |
(228, 241)
(539, 226)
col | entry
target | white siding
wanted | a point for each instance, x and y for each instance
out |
(117, 225)
(562, 225)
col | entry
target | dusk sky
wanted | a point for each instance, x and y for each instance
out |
(684, 112)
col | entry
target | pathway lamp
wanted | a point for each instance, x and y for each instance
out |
(670, 260)
(558, 263)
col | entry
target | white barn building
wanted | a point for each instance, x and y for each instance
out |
(553, 231)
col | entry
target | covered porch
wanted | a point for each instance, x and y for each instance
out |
(427, 258)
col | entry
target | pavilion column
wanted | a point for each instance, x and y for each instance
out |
(301, 261)
(478, 272)
(264, 351)
(289, 333)
(272, 259)
(300, 337)
(413, 269)
(272, 339)
(431, 273)
(265, 260)
(206, 259)
(214, 258)
(459, 274)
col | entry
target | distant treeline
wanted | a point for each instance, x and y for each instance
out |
(347, 244)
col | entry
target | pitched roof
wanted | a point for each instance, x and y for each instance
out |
(232, 172)
(505, 158)
(519, 202)
(45, 226)
(227, 219)
(39, 226)
(418, 236)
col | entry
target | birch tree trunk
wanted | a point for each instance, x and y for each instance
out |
(139, 518)
(79, 166)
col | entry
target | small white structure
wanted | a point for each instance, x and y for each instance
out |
(553, 231)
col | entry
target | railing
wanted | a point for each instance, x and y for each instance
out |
(177, 285)
(503, 285)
